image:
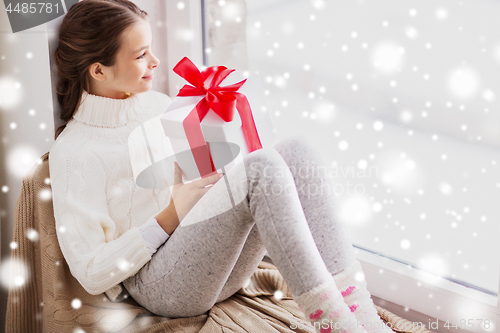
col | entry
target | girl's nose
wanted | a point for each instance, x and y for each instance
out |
(155, 63)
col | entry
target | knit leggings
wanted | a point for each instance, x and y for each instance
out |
(287, 208)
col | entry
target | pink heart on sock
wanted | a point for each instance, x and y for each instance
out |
(316, 315)
(353, 307)
(326, 294)
(348, 291)
(325, 330)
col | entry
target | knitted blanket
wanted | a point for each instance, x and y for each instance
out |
(45, 297)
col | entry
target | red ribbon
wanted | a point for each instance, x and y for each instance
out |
(222, 100)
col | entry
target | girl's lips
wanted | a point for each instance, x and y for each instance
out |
(148, 77)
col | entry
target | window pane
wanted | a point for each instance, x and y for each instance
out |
(402, 98)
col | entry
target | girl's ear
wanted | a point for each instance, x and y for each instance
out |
(96, 72)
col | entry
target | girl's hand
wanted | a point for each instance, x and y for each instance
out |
(186, 196)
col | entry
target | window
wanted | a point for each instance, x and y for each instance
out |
(402, 99)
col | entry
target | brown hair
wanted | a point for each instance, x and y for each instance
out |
(90, 32)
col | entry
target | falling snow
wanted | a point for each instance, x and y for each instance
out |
(406, 104)
(76, 303)
(411, 98)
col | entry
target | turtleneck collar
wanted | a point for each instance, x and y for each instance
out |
(106, 112)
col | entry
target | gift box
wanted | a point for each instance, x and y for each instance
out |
(216, 120)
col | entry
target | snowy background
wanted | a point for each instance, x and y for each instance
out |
(402, 99)
(400, 96)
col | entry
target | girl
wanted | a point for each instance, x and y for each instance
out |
(178, 259)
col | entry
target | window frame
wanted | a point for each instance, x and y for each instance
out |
(189, 19)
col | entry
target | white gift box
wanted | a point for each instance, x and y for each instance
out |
(225, 139)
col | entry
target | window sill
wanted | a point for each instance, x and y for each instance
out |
(426, 293)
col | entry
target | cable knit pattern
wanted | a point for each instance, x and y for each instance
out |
(98, 207)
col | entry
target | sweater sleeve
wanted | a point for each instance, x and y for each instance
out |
(84, 228)
(153, 234)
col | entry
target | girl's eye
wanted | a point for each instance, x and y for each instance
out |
(142, 56)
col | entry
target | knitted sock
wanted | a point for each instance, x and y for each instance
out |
(325, 308)
(352, 285)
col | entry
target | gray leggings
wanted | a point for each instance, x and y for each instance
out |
(213, 252)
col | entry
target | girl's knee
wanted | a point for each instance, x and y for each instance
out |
(259, 159)
(265, 163)
(296, 142)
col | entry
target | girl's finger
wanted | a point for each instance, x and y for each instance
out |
(177, 174)
(209, 180)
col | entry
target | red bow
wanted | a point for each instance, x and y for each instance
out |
(222, 100)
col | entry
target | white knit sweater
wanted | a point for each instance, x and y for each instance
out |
(104, 221)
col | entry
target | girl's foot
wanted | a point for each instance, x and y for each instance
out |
(325, 308)
(351, 282)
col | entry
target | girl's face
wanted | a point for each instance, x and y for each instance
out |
(133, 70)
